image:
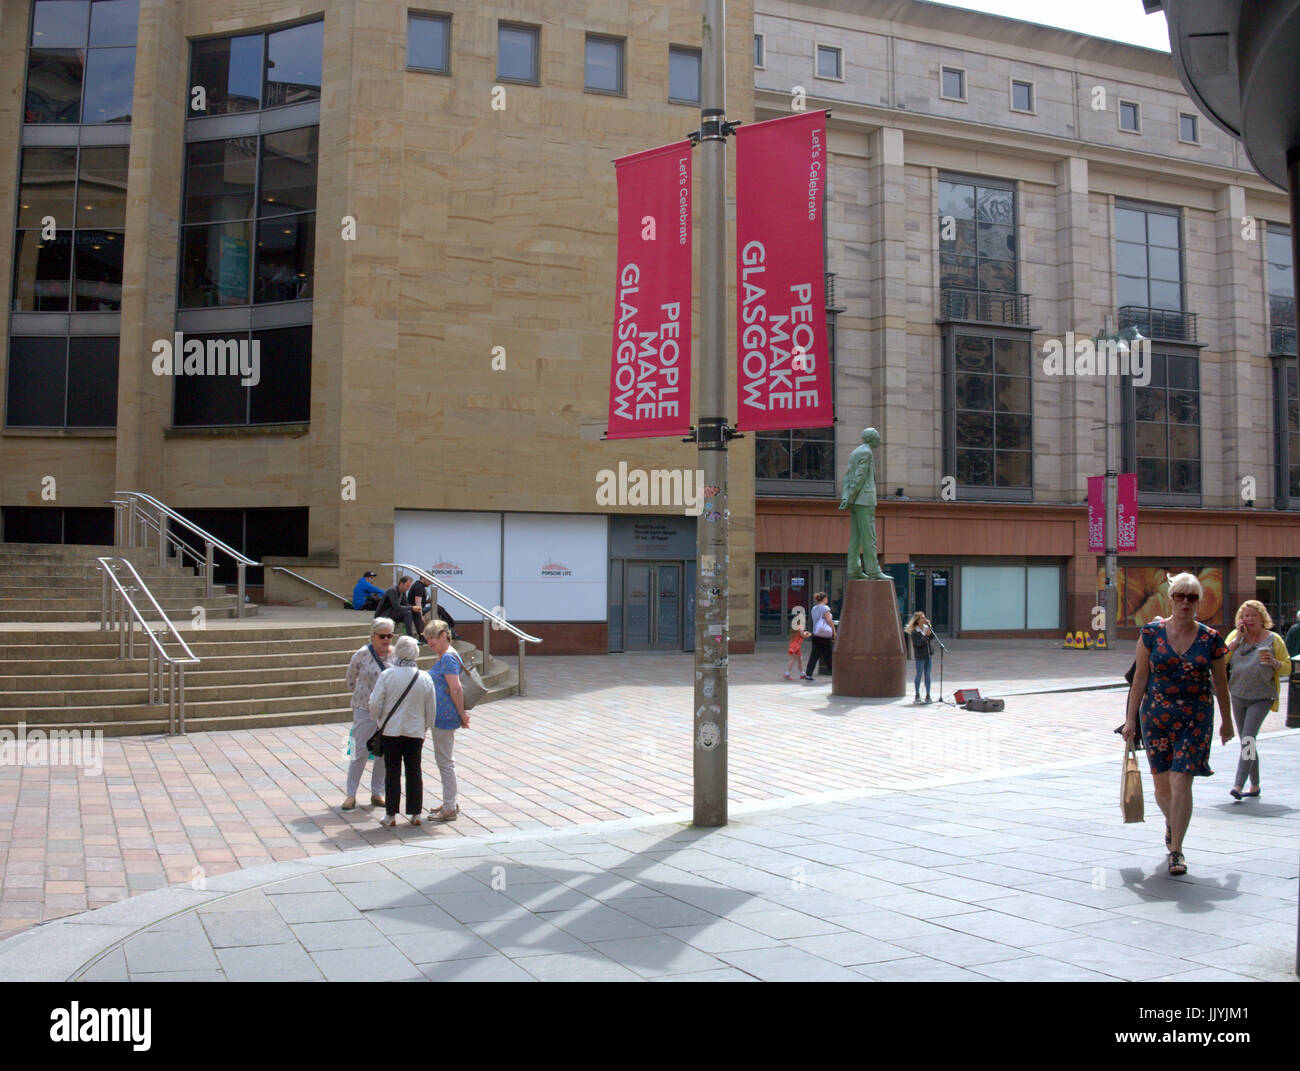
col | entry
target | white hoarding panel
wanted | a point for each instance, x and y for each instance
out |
(556, 567)
(464, 549)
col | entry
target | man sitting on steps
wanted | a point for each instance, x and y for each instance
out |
(394, 604)
(366, 596)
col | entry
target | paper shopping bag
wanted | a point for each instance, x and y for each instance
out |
(1130, 788)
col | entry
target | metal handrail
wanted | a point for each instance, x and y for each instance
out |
(175, 540)
(210, 541)
(490, 620)
(115, 617)
(334, 594)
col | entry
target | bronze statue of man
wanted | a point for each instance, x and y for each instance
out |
(860, 493)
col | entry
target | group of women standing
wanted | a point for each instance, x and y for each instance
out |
(1183, 666)
(393, 697)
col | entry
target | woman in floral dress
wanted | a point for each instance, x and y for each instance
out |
(1180, 671)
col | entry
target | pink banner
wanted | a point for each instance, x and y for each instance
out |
(1097, 513)
(650, 366)
(1126, 512)
(783, 374)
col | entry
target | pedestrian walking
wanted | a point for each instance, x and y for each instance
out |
(922, 650)
(364, 669)
(797, 635)
(823, 633)
(396, 605)
(1257, 662)
(1181, 670)
(402, 702)
(1293, 637)
(449, 715)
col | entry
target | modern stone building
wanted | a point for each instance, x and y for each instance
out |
(997, 187)
(408, 215)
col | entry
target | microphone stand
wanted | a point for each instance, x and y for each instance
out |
(942, 701)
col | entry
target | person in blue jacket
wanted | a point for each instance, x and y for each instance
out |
(362, 592)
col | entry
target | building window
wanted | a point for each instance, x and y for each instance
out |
(79, 269)
(281, 360)
(952, 83)
(1188, 128)
(235, 78)
(1148, 257)
(1281, 290)
(1022, 96)
(977, 234)
(1130, 117)
(428, 42)
(517, 48)
(258, 533)
(81, 64)
(605, 64)
(1286, 422)
(991, 409)
(830, 62)
(683, 75)
(231, 255)
(59, 382)
(1010, 597)
(1167, 426)
(759, 51)
(56, 524)
(293, 64)
(803, 455)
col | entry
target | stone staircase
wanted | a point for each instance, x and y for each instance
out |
(62, 582)
(252, 673)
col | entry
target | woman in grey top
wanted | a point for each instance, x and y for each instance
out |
(1257, 662)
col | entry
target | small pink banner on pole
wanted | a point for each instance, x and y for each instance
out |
(1127, 511)
(1097, 513)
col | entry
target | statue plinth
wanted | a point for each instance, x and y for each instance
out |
(869, 656)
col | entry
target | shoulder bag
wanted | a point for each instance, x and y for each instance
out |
(1130, 789)
(472, 688)
(375, 744)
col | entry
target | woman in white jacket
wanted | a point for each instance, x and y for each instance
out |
(405, 697)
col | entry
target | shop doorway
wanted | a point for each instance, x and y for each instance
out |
(932, 594)
(653, 606)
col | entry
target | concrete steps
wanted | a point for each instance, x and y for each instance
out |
(252, 672)
(47, 584)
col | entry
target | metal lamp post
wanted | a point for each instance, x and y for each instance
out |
(1110, 596)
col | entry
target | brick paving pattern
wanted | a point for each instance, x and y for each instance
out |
(1028, 877)
(596, 738)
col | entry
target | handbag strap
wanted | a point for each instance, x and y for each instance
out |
(378, 661)
(404, 694)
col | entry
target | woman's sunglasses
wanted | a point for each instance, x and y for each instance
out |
(383, 635)
(1186, 596)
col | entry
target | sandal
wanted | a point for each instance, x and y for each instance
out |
(1177, 864)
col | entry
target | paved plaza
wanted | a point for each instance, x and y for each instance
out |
(879, 804)
(1027, 878)
(595, 738)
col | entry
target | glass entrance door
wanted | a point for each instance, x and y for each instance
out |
(653, 606)
(780, 589)
(932, 594)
